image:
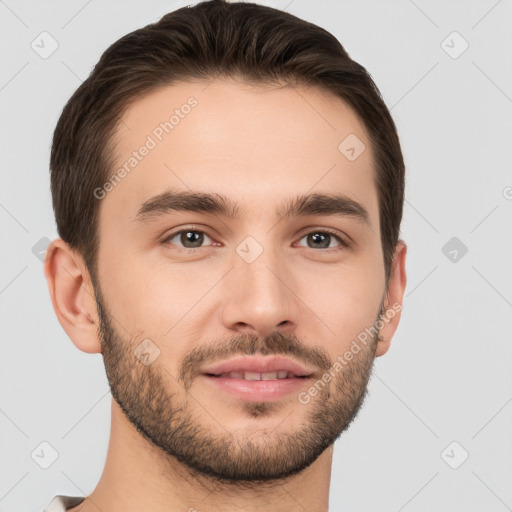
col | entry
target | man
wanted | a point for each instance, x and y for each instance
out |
(228, 189)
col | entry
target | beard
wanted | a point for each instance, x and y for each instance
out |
(158, 405)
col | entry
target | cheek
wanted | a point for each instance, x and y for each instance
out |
(151, 295)
(346, 298)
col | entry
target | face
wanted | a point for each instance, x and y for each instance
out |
(234, 264)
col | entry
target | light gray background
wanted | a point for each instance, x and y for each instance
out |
(448, 374)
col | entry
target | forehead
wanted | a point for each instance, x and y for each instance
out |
(254, 143)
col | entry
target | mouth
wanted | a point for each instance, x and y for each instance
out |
(258, 378)
(258, 368)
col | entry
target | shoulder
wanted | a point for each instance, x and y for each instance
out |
(62, 503)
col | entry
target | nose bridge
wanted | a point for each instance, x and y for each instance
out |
(258, 296)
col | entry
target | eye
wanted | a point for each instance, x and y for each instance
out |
(189, 238)
(322, 239)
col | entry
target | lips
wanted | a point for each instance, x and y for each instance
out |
(257, 368)
(257, 379)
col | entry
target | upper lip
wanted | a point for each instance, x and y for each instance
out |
(258, 365)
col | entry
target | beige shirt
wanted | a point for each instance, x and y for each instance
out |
(62, 503)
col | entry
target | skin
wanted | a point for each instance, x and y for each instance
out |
(259, 146)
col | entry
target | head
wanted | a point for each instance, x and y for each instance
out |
(193, 175)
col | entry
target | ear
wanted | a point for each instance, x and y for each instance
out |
(72, 295)
(394, 297)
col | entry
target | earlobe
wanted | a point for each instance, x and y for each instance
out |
(390, 319)
(72, 295)
(383, 345)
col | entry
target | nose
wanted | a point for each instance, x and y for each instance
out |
(259, 297)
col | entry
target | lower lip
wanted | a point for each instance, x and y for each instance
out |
(258, 390)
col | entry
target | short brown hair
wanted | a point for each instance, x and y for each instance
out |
(255, 43)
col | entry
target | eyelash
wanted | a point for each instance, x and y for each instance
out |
(343, 243)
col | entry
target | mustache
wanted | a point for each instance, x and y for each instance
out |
(275, 343)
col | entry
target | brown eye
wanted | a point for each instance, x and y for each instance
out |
(188, 238)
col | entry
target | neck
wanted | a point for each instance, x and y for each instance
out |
(139, 476)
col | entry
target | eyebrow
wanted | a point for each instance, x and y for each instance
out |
(218, 204)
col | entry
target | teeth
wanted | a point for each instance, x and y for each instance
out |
(252, 376)
(281, 374)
